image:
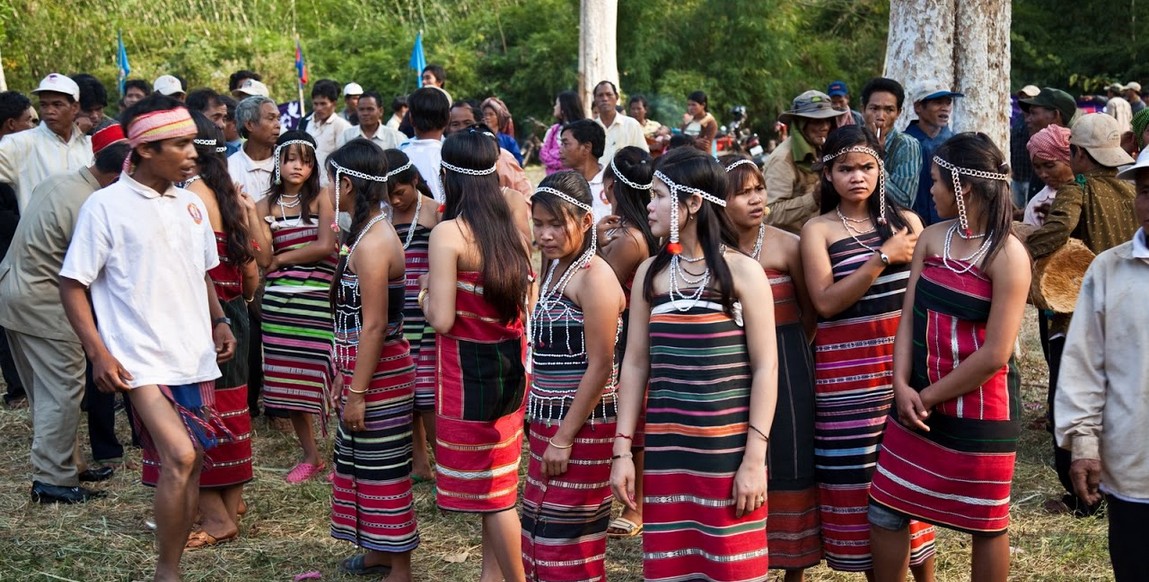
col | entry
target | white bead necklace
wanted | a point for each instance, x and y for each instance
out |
(854, 232)
(972, 260)
(757, 252)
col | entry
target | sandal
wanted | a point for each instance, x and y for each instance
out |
(302, 472)
(623, 528)
(202, 539)
(357, 566)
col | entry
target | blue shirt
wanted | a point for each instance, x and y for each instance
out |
(924, 203)
(508, 143)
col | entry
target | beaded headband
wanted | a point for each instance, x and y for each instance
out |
(869, 151)
(204, 142)
(673, 246)
(280, 147)
(674, 187)
(741, 162)
(955, 172)
(397, 171)
(354, 174)
(468, 171)
(627, 181)
(220, 149)
(566, 197)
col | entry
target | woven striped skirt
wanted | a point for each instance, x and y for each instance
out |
(479, 407)
(371, 501)
(853, 371)
(565, 518)
(958, 474)
(230, 459)
(420, 335)
(696, 428)
(297, 331)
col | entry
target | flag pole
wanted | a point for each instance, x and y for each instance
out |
(299, 80)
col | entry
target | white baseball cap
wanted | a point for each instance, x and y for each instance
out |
(57, 83)
(352, 89)
(1133, 86)
(1030, 91)
(168, 85)
(251, 87)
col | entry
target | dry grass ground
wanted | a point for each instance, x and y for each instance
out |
(286, 529)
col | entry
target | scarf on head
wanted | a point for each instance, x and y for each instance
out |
(158, 126)
(1051, 143)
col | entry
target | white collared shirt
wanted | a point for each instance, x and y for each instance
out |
(28, 157)
(426, 155)
(1140, 248)
(326, 134)
(254, 177)
(384, 137)
(599, 205)
(143, 256)
(623, 131)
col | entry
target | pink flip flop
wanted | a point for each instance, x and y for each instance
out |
(302, 472)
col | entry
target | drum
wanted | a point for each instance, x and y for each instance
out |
(1057, 277)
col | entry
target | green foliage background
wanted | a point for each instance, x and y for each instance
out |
(758, 53)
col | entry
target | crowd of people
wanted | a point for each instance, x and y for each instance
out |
(766, 367)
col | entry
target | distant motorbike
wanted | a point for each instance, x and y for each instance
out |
(737, 137)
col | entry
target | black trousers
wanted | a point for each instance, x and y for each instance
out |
(1061, 457)
(8, 369)
(1126, 540)
(255, 367)
(101, 408)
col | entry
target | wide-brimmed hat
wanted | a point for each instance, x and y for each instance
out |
(1054, 99)
(1099, 134)
(810, 105)
(1130, 173)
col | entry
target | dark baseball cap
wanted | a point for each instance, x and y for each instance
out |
(837, 89)
(1054, 99)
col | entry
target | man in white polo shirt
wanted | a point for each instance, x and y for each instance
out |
(371, 124)
(56, 145)
(142, 248)
(621, 130)
(257, 119)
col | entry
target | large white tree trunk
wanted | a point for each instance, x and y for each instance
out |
(598, 20)
(963, 44)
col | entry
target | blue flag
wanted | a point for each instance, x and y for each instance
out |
(418, 60)
(122, 61)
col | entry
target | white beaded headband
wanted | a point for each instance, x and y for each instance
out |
(280, 147)
(565, 196)
(741, 162)
(674, 187)
(397, 171)
(468, 171)
(210, 142)
(627, 181)
(869, 151)
(341, 170)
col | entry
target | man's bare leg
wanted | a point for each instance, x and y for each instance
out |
(178, 486)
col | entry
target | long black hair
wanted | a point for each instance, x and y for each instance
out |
(478, 201)
(976, 151)
(693, 168)
(398, 159)
(359, 155)
(310, 189)
(735, 178)
(572, 184)
(570, 106)
(856, 135)
(630, 203)
(213, 172)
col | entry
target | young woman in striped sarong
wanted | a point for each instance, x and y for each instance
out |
(856, 259)
(371, 501)
(299, 258)
(948, 453)
(571, 401)
(474, 298)
(702, 335)
(793, 528)
(414, 213)
(625, 242)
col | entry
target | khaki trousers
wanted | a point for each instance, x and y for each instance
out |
(53, 375)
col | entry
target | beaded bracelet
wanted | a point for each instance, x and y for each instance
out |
(551, 442)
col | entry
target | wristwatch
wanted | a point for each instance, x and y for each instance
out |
(884, 257)
(220, 320)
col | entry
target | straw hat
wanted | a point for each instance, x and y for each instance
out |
(1057, 277)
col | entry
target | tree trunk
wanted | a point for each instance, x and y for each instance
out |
(598, 20)
(962, 44)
